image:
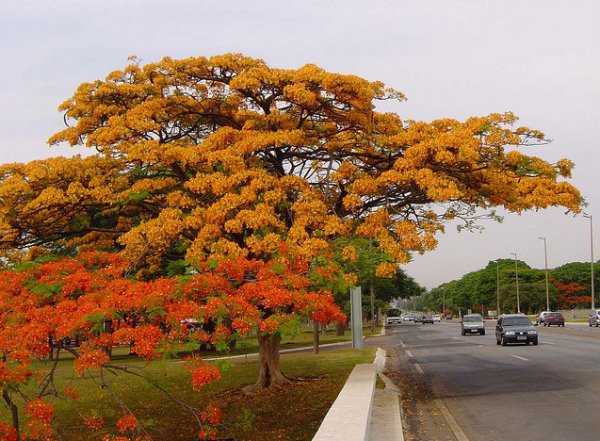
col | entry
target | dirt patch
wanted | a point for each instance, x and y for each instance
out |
(421, 418)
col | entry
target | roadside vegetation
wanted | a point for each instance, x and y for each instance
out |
(292, 413)
(569, 288)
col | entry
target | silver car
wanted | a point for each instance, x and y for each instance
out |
(594, 318)
(472, 324)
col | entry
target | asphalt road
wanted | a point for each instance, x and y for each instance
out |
(549, 392)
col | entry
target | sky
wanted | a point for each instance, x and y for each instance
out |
(452, 58)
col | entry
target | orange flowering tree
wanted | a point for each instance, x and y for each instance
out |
(44, 307)
(198, 161)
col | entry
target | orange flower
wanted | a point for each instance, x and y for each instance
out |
(93, 422)
(7, 433)
(204, 374)
(91, 360)
(127, 423)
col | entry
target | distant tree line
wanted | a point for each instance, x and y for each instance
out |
(569, 287)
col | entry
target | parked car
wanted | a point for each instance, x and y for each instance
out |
(594, 318)
(554, 319)
(448, 316)
(409, 317)
(540, 318)
(515, 328)
(427, 318)
(393, 317)
(419, 317)
(472, 324)
(436, 317)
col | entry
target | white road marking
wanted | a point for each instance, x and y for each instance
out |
(419, 369)
(454, 427)
(409, 354)
(520, 358)
(546, 342)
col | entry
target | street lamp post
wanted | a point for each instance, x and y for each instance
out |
(593, 292)
(443, 302)
(497, 289)
(517, 281)
(546, 269)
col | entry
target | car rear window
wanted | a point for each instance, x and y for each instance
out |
(516, 321)
(555, 315)
(472, 318)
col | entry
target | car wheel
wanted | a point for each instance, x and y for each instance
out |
(527, 342)
(535, 342)
(596, 324)
(482, 332)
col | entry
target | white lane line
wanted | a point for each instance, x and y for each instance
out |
(409, 354)
(546, 342)
(454, 427)
(520, 358)
(419, 369)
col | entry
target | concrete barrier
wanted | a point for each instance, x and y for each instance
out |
(349, 417)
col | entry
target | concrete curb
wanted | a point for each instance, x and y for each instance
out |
(348, 418)
(361, 412)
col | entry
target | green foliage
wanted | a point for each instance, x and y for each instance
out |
(479, 287)
(138, 196)
(290, 328)
(44, 290)
(369, 256)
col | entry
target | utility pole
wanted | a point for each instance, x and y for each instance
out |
(497, 290)
(444, 301)
(593, 292)
(517, 281)
(546, 269)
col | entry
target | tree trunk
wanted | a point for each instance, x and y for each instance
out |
(340, 329)
(316, 337)
(14, 411)
(270, 373)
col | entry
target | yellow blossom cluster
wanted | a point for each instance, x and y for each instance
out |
(210, 157)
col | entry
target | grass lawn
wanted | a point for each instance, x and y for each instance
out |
(292, 413)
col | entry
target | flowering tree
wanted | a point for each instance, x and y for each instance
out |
(204, 160)
(88, 297)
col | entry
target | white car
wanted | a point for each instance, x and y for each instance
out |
(540, 318)
(395, 320)
(437, 318)
(393, 317)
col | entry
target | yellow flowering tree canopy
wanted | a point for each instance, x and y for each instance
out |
(202, 158)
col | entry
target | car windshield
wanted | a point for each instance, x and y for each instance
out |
(393, 313)
(516, 321)
(472, 318)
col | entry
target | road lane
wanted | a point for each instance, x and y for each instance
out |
(526, 393)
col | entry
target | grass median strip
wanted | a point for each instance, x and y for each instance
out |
(292, 413)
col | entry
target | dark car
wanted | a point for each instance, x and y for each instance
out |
(472, 324)
(554, 319)
(515, 328)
